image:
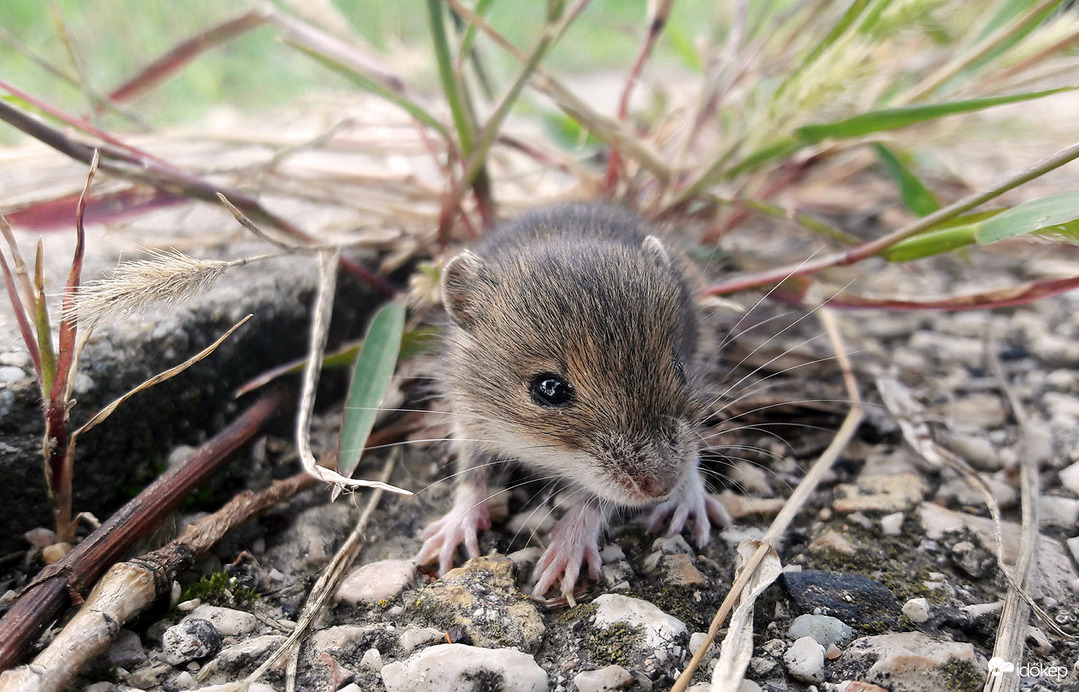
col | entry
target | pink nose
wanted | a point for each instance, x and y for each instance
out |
(657, 486)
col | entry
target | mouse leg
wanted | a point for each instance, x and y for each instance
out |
(690, 501)
(467, 517)
(574, 541)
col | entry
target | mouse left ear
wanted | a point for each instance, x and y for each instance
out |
(459, 281)
(654, 249)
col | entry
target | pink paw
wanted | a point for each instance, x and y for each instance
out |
(574, 542)
(690, 501)
(461, 525)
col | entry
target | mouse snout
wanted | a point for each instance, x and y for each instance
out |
(658, 486)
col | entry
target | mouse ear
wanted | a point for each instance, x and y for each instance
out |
(654, 249)
(460, 278)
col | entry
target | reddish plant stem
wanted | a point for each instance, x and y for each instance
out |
(66, 580)
(168, 179)
(614, 161)
(180, 55)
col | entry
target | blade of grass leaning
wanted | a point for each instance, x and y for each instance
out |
(374, 369)
(857, 126)
(21, 316)
(895, 118)
(372, 86)
(1053, 215)
(414, 342)
(837, 31)
(915, 195)
(42, 326)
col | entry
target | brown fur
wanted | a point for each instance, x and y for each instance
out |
(583, 291)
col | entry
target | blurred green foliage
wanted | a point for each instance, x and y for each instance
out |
(114, 39)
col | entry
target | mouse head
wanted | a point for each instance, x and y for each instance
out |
(577, 358)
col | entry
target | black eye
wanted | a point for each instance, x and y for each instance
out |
(548, 389)
(680, 371)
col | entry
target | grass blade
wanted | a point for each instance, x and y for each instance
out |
(374, 369)
(1053, 215)
(895, 118)
(915, 195)
(374, 87)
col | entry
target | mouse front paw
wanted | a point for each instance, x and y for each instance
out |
(690, 501)
(574, 542)
(460, 526)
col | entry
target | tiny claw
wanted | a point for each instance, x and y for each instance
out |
(574, 542)
(690, 501)
(460, 526)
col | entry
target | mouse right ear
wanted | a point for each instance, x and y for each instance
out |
(460, 279)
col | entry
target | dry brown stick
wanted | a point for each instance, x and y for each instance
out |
(67, 579)
(130, 587)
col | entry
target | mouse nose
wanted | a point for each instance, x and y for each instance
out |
(658, 486)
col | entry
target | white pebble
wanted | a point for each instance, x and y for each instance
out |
(228, 622)
(374, 582)
(659, 628)
(823, 629)
(372, 660)
(613, 677)
(805, 660)
(891, 524)
(455, 668)
(917, 609)
(414, 637)
(1070, 477)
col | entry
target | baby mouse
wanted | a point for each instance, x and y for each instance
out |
(572, 349)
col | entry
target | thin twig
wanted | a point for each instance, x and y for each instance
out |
(327, 582)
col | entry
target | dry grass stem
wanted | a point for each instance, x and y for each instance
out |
(328, 581)
(757, 554)
(328, 262)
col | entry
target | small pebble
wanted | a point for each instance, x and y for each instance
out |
(659, 628)
(457, 667)
(1069, 476)
(414, 637)
(917, 609)
(805, 660)
(191, 639)
(1058, 511)
(892, 524)
(824, 629)
(375, 582)
(372, 660)
(613, 677)
(227, 621)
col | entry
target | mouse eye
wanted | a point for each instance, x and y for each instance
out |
(548, 389)
(680, 372)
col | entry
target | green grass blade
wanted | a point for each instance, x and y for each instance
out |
(950, 235)
(895, 118)
(374, 369)
(452, 87)
(1055, 215)
(370, 85)
(915, 195)
(934, 242)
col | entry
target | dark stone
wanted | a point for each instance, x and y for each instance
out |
(856, 600)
